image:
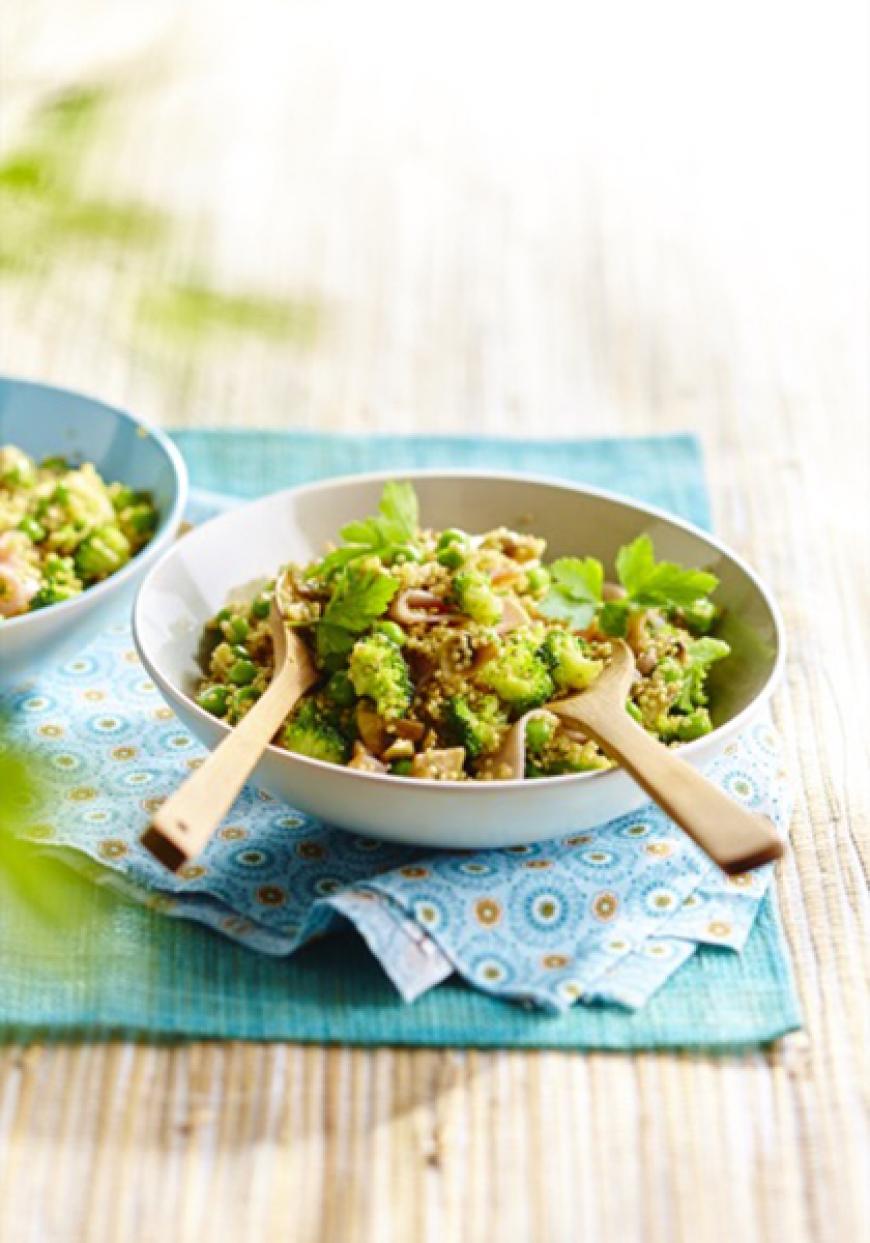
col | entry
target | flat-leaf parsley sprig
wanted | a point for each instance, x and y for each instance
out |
(388, 534)
(577, 586)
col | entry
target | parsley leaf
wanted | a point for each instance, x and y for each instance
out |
(578, 579)
(664, 583)
(395, 523)
(400, 513)
(576, 590)
(359, 598)
(575, 595)
(635, 562)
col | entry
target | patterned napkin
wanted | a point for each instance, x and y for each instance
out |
(605, 915)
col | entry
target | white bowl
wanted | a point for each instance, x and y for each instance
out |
(244, 546)
(46, 422)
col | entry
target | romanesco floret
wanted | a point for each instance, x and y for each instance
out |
(310, 733)
(476, 598)
(378, 672)
(517, 674)
(565, 655)
(477, 727)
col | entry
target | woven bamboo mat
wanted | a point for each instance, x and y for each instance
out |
(306, 219)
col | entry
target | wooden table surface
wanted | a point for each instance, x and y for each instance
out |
(378, 216)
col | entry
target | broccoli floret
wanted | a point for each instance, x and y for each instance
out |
(476, 598)
(517, 674)
(16, 468)
(477, 727)
(539, 732)
(378, 671)
(104, 551)
(309, 732)
(565, 655)
(702, 653)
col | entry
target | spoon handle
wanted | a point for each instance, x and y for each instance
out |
(183, 825)
(733, 836)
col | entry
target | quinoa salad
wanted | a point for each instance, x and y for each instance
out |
(438, 652)
(63, 528)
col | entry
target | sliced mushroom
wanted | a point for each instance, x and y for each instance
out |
(637, 628)
(646, 662)
(417, 606)
(363, 761)
(439, 765)
(512, 617)
(412, 730)
(371, 728)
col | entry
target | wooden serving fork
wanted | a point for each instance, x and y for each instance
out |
(183, 825)
(733, 836)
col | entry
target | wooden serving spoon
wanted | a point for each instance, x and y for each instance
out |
(186, 821)
(734, 837)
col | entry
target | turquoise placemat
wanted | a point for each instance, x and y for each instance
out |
(107, 964)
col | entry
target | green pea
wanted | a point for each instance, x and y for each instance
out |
(401, 768)
(240, 651)
(452, 536)
(634, 712)
(260, 608)
(214, 700)
(537, 580)
(450, 557)
(222, 615)
(539, 731)
(390, 630)
(244, 695)
(242, 672)
(237, 630)
(32, 529)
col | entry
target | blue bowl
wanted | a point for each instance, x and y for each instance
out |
(47, 422)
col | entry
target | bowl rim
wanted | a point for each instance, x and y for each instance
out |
(449, 788)
(163, 536)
